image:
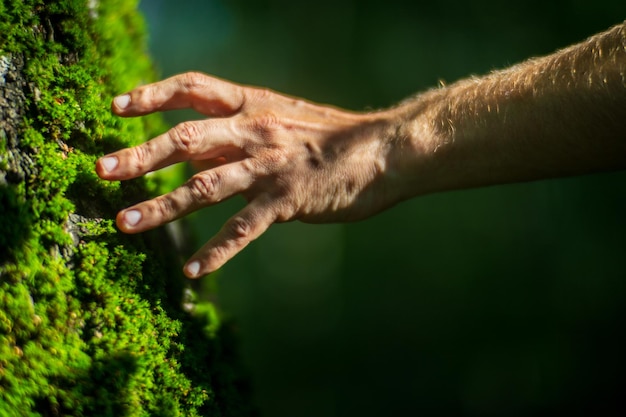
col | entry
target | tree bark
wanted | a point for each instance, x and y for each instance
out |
(91, 320)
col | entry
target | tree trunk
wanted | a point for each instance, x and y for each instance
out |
(91, 320)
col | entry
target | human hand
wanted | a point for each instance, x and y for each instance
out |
(289, 158)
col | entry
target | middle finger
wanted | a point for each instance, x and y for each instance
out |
(202, 139)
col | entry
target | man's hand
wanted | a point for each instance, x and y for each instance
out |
(289, 158)
(563, 114)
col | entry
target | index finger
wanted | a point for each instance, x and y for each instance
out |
(205, 94)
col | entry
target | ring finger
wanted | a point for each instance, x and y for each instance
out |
(203, 189)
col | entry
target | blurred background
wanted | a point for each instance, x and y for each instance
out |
(498, 301)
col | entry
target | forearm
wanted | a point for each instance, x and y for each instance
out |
(563, 114)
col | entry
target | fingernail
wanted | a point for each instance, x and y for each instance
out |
(121, 102)
(132, 217)
(109, 163)
(193, 268)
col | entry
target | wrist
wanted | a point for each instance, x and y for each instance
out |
(413, 145)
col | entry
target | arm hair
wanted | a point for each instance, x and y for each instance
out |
(563, 114)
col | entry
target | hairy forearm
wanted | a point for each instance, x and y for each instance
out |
(559, 115)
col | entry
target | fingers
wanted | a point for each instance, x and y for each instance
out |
(239, 230)
(203, 189)
(208, 95)
(206, 139)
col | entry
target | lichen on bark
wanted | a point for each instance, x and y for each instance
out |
(90, 319)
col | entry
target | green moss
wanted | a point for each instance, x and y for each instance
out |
(90, 319)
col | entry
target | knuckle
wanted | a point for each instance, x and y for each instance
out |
(239, 229)
(254, 168)
(190, 81)
(276, 160)
(164, 208)
(185, 136)
(217, 255)
(265, 125)
(139, 158)
(204, 186)
(147, 97)
(286, 209)
(152, 98)
(262, 94)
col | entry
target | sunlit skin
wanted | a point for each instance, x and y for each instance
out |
(564, 114)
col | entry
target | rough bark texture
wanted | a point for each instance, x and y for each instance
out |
(91, 320)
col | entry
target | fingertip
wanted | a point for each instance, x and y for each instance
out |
(192, 269)
(106, 165)
(121, 103)
(102, 173)
(132, 217)
(129, 220)
(119, 221)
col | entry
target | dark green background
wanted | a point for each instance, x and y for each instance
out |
(499, 301)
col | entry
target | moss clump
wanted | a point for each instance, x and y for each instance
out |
(90, 322)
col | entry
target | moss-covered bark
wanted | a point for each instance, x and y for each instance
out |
(90, 319)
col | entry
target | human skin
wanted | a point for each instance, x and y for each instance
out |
(563, 114)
